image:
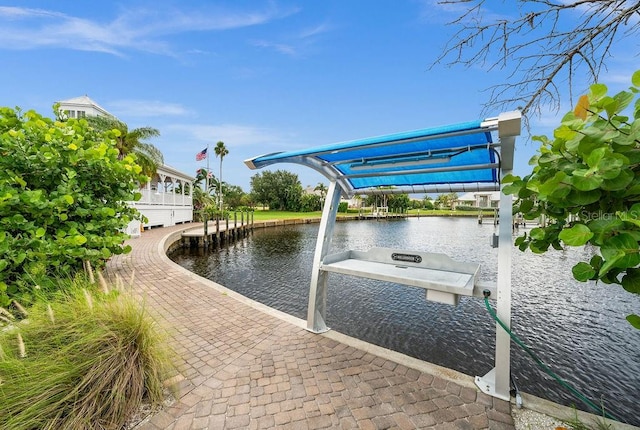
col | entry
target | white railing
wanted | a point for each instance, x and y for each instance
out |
(164, 199)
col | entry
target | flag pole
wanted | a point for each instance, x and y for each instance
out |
(207, 175)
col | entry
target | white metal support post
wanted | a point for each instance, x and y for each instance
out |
(318, 290)
(497, 382)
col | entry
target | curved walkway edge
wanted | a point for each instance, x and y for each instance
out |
(245, 365)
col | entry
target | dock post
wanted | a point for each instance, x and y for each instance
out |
(218, 230)
(206, 230)
(235, 224)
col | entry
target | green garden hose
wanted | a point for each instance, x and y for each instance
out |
(543, 366)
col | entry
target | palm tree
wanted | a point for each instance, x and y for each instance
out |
(220, 151)
(201, 200)
(322, 189)
(132, 141)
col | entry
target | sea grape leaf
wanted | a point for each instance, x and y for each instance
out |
(623, 243)
(631, 281)
(634, 320)
(577, 235)
(583, 271)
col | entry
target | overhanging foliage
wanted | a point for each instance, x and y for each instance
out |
(586, 184)
(63, 194)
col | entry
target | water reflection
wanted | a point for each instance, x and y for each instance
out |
(578, 329)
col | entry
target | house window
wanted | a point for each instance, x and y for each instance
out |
(70, 113)
(81, 114)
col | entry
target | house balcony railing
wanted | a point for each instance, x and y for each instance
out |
(150, 197)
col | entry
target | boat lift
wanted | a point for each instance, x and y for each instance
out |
(464, 157)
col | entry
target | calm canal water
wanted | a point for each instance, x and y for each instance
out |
(578, 329)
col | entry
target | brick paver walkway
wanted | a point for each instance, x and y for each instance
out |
(247, 368)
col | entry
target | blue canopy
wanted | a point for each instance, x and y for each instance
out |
(458, 157)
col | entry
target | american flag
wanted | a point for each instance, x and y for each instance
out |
(201, 155)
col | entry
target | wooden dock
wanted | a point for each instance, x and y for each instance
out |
(215, 232)
(220, 231)
(379, 216)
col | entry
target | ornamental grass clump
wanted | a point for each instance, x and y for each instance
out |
(83, 364)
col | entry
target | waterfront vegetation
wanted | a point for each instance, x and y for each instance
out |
(86, 358)
(72, 354)
(64, 188)
(586, 183)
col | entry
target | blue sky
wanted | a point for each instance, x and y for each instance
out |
(262, 76)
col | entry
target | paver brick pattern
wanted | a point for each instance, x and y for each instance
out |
(242, 368)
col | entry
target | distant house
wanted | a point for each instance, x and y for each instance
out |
(353, 202)
(487, 199)
(81, 107)
(167, 199)
(311, 190)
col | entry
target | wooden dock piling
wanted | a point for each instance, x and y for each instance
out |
(207, 236)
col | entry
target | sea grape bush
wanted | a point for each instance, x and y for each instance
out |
(586, 183)
(63, 194)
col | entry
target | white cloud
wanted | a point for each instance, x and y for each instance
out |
(437, 11)
(15, 13)
(147, 108)
(547, 120)
(232, 134)
(279, 47)
(139, 29)
(297, 43)
(53, 29)
(314, 31)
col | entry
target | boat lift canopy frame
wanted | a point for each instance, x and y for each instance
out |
(471, 156)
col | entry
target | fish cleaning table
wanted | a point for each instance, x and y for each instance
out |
(444, 279)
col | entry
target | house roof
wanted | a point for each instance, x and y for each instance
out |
(173, 172)
(84, 101)
(458, 157)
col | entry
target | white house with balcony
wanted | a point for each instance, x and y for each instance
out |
(167, 199)
(484, 200)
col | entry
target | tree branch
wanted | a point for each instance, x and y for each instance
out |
(542, 46)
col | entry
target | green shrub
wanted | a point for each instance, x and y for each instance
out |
(468, 208)
(310, 203)
(63, 198)
(89, 362)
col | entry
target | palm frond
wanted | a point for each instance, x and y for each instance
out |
(148, 156)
